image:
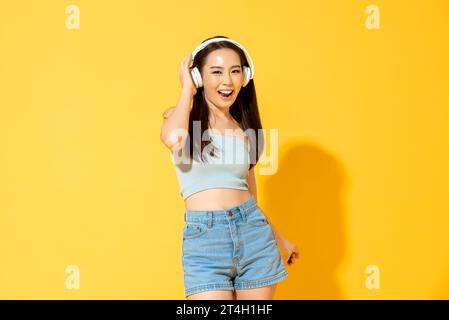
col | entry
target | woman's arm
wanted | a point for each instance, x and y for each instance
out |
(176, 120)
(252, 183)
(253, 190)
(288, 250)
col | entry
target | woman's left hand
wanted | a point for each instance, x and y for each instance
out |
(289, 251)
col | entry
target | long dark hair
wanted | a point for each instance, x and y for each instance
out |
(244, 109)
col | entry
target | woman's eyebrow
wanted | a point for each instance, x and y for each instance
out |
(237, 65)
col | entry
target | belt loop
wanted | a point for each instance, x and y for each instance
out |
(209, 219)
(244, 214)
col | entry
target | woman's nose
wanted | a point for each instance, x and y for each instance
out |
(227, 78)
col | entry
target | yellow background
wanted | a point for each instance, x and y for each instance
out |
(363, 126)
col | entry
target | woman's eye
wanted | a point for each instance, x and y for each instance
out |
(237, 71)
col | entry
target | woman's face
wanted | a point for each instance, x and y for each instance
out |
(223, 73)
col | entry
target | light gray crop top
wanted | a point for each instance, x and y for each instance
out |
(227, 169)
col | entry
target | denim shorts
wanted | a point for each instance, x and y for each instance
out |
(229, 249)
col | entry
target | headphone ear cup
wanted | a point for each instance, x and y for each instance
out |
(196, 77)
(247, 75)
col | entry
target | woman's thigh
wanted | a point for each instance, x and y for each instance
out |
(262, 293)
(213, 295)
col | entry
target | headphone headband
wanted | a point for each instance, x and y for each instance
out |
(207, 42)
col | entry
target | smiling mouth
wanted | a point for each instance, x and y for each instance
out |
(224, 94)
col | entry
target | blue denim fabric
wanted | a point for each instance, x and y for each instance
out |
(229, 249)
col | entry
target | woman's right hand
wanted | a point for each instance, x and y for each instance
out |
(184, 75)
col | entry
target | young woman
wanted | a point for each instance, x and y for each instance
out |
(230, 249)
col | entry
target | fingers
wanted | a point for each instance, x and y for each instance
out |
(187, 59)
(291, 259)
(184, 64)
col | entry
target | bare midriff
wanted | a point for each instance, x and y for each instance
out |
(216, 199)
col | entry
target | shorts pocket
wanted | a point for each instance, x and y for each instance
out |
(193, 230)
(257, 218)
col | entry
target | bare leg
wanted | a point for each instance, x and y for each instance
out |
(262, 293)
(212, 295)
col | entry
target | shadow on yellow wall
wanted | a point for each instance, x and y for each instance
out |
(306, 201)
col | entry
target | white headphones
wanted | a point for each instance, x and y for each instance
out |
(248, 72)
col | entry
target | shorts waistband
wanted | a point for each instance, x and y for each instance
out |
(199, 215)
